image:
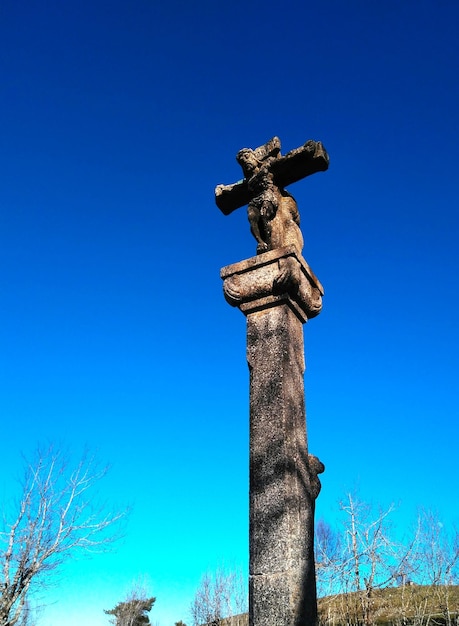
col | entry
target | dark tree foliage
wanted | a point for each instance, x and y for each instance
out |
(132, 612)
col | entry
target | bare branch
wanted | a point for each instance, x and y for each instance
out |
(220, 595)
(56, 516)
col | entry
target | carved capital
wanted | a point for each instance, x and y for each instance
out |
(277, 277)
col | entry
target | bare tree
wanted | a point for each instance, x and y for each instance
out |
(439, 548)
(220, 595)
(437, 556)
(328, 551)
(56, 515)
(354, 564)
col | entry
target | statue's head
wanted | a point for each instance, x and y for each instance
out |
(247, 160)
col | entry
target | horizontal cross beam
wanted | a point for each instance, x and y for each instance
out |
(295, 165)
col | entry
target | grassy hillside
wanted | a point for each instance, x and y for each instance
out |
(433, 605)
(411, 605)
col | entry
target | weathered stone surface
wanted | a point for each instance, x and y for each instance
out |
(277, 292)
(271, 278)
(283, 477)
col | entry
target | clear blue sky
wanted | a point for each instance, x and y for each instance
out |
(117, 121)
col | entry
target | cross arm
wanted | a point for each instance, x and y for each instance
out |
(230, 197)
(295, 165)
(299, 163)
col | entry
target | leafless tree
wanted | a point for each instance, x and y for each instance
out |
(55, 516)
(438, 551)
(437, 556)
(328, 551)
(361, 559)
(220, 595)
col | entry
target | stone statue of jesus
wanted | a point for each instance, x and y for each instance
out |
(272, 211)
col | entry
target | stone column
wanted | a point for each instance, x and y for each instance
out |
(278, 293)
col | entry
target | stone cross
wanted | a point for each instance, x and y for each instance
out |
(272, 211)
(277, 292)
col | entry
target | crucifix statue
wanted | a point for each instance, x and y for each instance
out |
(277, 292)
(272, 211)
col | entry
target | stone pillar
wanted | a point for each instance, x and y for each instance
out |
(278, 292)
